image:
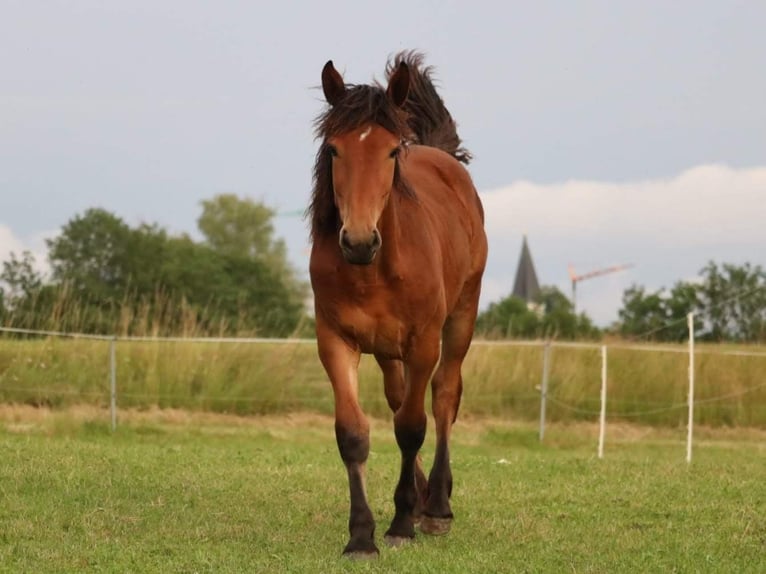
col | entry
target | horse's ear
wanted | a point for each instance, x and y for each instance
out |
(399, 85)
(332, 84)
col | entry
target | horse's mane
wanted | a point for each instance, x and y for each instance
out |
(428, 117)
(423, 119)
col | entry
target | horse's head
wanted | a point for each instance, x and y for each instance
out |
(364, 163)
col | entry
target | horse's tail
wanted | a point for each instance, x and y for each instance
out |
(429, 118)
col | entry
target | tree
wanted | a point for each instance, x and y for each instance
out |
(733, 299)
(25, 297)
(729, 304)
(20, 286)
(507, 318)
(241, 231)
(559, 319)
(242, 228)
(660, 315)
(20, 279)
(90, 256)
(551, 315)
(682, 300)
(109, 276)
(642, 312)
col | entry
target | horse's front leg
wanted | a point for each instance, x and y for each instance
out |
(352, 432)
(410, 428)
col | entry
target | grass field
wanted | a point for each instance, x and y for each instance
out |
(175, 491)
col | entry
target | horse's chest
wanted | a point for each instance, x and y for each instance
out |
(378, 310)
(376, 329)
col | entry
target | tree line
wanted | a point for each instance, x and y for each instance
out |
(109, 277)
(728, 302)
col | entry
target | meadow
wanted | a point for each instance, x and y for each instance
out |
(178, 491)
(501, 381)
(224, 460)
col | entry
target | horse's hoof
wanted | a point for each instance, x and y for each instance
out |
(435, 526)
(357, 551)
(397, 541)
(360, 556)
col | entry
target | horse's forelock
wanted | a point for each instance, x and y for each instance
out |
(360, 105)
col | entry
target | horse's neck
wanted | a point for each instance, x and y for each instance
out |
(390, 231)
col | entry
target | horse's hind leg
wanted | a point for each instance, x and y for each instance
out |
(447, 388)
(352, 432)
(410, 429)
(393, 382)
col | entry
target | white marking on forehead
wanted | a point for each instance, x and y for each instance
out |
(365, 133)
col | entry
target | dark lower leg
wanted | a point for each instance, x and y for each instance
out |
(440, 484)
(421, 485)
(406, 497)
(354, 448)
(393, 382)
(410, 429)
(447, 388)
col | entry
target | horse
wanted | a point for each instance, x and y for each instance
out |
(397, 257)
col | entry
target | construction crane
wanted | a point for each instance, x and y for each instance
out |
(590, 275)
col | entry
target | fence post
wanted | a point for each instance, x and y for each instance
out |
(544, 386)
(113, 382)
(690, 319)
(602, 416)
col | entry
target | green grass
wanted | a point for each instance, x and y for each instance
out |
(649, 388)
(178, 492)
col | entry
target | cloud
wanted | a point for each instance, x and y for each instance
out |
(668, 228)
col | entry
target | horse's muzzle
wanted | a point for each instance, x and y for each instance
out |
(359, 252)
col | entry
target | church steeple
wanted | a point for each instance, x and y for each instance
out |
(526, 286)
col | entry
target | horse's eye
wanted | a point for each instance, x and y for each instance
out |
(395, 152)
(332, 150)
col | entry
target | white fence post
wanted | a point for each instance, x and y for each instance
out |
(602, 417)
(113, 382)
(544, 386)
(690, 318)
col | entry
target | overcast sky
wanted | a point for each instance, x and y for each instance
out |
(609, 132)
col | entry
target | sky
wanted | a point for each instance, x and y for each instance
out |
(608, 132)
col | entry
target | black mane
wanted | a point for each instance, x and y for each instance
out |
(427, 115)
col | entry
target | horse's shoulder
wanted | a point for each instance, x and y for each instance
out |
(437, 176)
(432, 155)
(430, 160)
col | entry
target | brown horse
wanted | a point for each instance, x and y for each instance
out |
(398, 254)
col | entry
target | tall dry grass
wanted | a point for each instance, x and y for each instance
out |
(644, 387)
(57, 308)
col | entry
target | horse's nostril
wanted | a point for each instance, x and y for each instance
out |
(345, 243)
(376, 241)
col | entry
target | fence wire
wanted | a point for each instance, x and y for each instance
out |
(481, 400)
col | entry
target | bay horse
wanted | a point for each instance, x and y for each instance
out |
(398, 253)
